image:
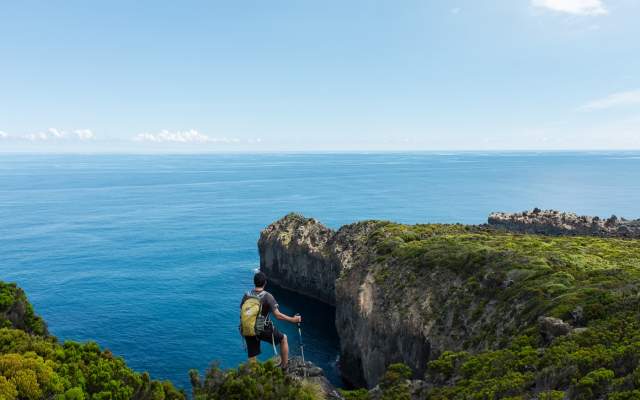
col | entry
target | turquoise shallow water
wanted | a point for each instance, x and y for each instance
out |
(149, 255)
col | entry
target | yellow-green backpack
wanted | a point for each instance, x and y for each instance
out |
(251, 319)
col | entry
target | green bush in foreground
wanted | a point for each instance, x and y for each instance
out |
(251, 381)
(35, 367)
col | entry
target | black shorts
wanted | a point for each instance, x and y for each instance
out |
(253, 342)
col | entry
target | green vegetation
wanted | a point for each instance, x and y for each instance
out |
(251, 381)
(35, 366)
(601, 362)
(17, 312)
(395, 385)
(513, 279)
(492, 288)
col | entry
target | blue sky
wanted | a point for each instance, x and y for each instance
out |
(310, 75)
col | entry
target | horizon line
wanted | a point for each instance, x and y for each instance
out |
(320, 151)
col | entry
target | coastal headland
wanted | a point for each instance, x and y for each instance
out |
(539, 303)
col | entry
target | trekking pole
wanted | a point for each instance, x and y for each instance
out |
(304, 364)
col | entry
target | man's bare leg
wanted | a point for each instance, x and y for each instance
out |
(284, 352)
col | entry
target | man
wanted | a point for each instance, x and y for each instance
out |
(270, 333)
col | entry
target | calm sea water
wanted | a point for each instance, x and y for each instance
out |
(149, 255)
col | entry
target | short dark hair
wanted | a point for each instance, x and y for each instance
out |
(260, 279)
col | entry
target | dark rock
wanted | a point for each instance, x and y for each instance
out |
(578, 315)
(551, 328)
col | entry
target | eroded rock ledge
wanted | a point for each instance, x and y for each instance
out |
(552, 222)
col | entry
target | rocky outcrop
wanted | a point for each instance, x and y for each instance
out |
(304, 256)
(551, 328)
(293, 254)
(551, 222)
(307, 371)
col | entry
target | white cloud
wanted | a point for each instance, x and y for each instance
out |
(190, 136)
(3, 135)
(578, 7)
(84, 134)
(614, 100)
(54, 134)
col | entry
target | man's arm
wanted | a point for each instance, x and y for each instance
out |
(276, 311)
(284, 317)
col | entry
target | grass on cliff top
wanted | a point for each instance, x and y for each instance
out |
(577, 278)
(589, 282)
(578, 254)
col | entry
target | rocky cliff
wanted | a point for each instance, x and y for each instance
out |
(552, 222)
(304, 256)
(412, 294)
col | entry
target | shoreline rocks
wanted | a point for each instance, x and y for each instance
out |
(552, 222)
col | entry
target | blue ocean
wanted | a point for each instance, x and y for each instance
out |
(149, 255)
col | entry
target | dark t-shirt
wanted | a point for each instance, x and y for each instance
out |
(269, 303)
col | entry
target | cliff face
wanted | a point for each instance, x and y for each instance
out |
(411, 293)
(304, 256)
(551, 222)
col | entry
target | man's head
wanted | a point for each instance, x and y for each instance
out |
(260, 279)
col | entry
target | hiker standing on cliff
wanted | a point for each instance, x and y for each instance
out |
(255, 322)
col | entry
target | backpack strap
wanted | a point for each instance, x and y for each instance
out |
(261, 296)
